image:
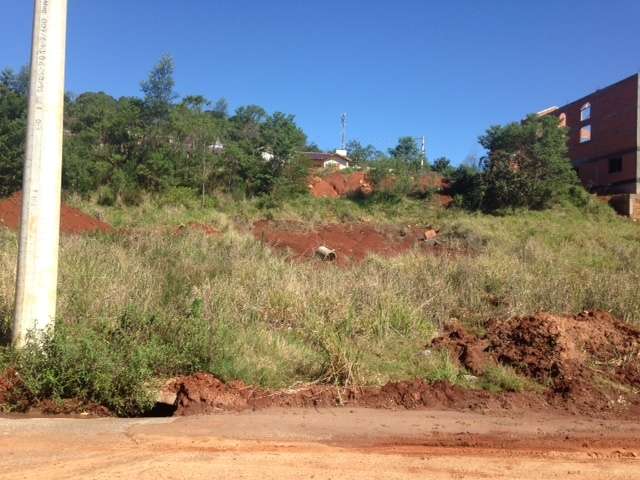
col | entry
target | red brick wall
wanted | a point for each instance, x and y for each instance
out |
(614, 133)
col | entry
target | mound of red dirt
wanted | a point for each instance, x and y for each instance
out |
(590, 360)
(319, 188)
(72, 220)
(351, 242)
(341, 185)
(467, 349)
(204, 393)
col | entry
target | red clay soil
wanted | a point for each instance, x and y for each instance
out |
(72, 220)
(467, 349)
(589, 361)
(352, 242)
(341, 185)
(587, 364)
(204, 393)
(322, 189)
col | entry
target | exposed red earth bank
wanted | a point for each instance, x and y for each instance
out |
(72, 220)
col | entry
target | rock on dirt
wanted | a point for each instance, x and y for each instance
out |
(72, 220)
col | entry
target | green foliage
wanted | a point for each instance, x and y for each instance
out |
(18, 83)
(468, 187)
(106, 196)
(158, 89)
(408, 152)
(443, 166)
(527, 164)
(140, 306)
(121, 147)
(13, 119)
(363, 154)
(498, 378)
(114, 364)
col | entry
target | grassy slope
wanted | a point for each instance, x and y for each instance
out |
(150, 305)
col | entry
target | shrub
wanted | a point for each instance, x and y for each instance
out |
(106, 196)
(527, 165)
(114, 364)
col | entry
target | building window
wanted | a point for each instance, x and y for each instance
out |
(563, 119)
(585, 134)
(615, 165)
(585, 112)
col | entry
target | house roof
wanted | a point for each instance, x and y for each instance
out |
(323, 157)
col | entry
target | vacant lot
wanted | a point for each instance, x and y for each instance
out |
(157, 297)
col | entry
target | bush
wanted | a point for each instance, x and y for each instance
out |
(468, 188)
(106, 196)
(179, 197)
(115, 365)
(527, 165)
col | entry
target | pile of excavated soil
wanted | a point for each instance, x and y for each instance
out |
(359, 185)
(341, 185)
(322, 189)
(204, 393)
(589, 361)
(351, 242)
(72, 220)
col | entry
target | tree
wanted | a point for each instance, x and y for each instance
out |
(16, 82)
(158, 89)
(468, 187)
(407, 151)
(13, 122)
(195, 102)
(220, 109)
(443, 166)
(527, 164)
(282, 136)
(362, 154)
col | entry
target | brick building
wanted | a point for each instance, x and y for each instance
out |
(604, 137)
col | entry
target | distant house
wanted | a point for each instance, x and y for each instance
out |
(604, 140)
(338, 160)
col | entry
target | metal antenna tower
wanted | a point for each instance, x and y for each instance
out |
(343, 123)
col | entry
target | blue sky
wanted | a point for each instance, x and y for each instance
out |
(445, 69)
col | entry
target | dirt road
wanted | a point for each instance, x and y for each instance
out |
(322, 444)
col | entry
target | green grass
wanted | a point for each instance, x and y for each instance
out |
(136, 308)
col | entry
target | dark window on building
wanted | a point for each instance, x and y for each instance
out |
(585, 134)
(585, 112)
(615, 165)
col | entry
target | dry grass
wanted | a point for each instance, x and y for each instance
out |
(273, 322)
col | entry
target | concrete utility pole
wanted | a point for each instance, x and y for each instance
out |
(40, 230)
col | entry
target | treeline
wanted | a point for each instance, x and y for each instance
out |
(122, 146)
